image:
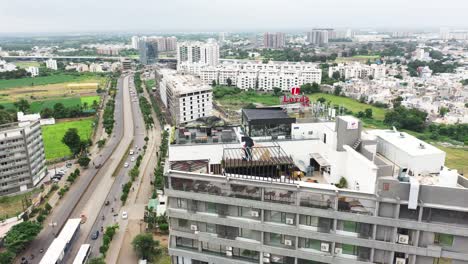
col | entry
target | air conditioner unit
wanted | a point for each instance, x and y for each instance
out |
(400, 261)
(228, 248)
(325, 247)
(193, 227)
(266, 260)
(338, 250)
(289, 221)
(403, 239)
(266, 255)
(254, 213)
(288, 242)
(229, 253)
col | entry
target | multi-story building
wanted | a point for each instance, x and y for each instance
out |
(5, 66)
(165, 43)
(22, 157)
(198, 52)
(135, 41)
(319, 36)
(262, 76)
(34, 71)
(148, 51)
(185, 97)
(171, 43)
(328, 193)
(126, 64)
(51, 64)
(274, 40)
(358, 70)
(111, 50)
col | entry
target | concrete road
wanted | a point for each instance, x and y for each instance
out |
(62, 212)
(110, 188)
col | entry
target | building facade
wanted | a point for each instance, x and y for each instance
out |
(396, 207)
(318, 36)
(274, 40)
(148, 51)
(198, 53)
(51, 64)
(358, 70)
(22, 157)
(184, 96)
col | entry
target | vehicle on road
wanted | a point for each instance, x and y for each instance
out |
(131, 152)
(126, 164)
(132, 159)
(106, 203)
(98, 166)
(124, 215)
(95, 235)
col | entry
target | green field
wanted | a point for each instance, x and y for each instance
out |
(53, 134)
(26, 64)
(37, 106)
(59, 78)
(13, 205)
(456, 158)
(237, 101)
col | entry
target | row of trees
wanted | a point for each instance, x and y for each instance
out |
(77, 146)
(16, 74)
(18, 238)
(145, 107)
(436, 66)
(289, 54)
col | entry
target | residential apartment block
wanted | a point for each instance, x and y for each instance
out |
(22, 157)
(274, 40)
(358, 70)
(262, 76)
(184, 96)
(198, 54)
(327, 192)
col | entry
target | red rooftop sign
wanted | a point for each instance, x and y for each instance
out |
(296, 97)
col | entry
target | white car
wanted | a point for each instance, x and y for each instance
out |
(132, 159)
(131, 152)
(124, 215)
(126, 164)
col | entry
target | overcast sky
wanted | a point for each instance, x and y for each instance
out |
(225, 15)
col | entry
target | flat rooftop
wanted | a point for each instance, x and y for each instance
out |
(266, 114)
(406, 142)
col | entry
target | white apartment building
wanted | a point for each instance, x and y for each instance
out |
(51, 64)
(34, 71)
(185, 97)
(135, 40)
(5, 66)
(198, 52)
(358, 70)
(262, 76)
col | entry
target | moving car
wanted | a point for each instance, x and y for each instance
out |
(131, 152)
(124, 215)
(95, 235)
(132, 159)
(126, 164)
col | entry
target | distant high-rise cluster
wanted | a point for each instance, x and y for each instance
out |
(274, 40)
(320, 36)
(197, 53)
(148, 51)
(164, 43)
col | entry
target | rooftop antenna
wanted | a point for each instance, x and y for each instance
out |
(395, 130)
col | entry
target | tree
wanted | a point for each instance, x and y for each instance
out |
(84, 161)
(336, 75)
(22, 105)
(397, 101)
(47, 113)
(7, 257)
(85, 105)
(368, 113)
(6, 117)
(59, 110)
(321, 100)
(213, 83)
(411, 119)
(337, 90)
(443, 111)
(95, 105)
(250, 106)
(277, 91)
(145, 246)
(72, 140)
(229, 81)
(20, 235)
(360, 114)
(99, 260)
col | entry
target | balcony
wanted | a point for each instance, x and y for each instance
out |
(321, 201)
(356, 205)
(279, 196)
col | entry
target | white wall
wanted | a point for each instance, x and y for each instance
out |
(360, 172)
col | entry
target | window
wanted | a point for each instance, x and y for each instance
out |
(181, 203)
(183, 223)
(443, 239)
(324, 138)
(211, 207)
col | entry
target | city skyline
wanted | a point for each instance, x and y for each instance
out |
(201, 15)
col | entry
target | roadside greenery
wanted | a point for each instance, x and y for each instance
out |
(18, 238)
(107, 238)
(145, 107)
(133, 173)
(159, 170)
(108, 116)
(146, 247)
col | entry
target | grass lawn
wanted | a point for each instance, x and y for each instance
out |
(37, 106)
(456, 158)
(237, 101)
(59, 78)
(26, 64)
(53, 134)
(12, 205)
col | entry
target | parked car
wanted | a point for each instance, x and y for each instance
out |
(126, 164)
(132, 159)
(124, 215)
(95, 235)
(131, 152)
